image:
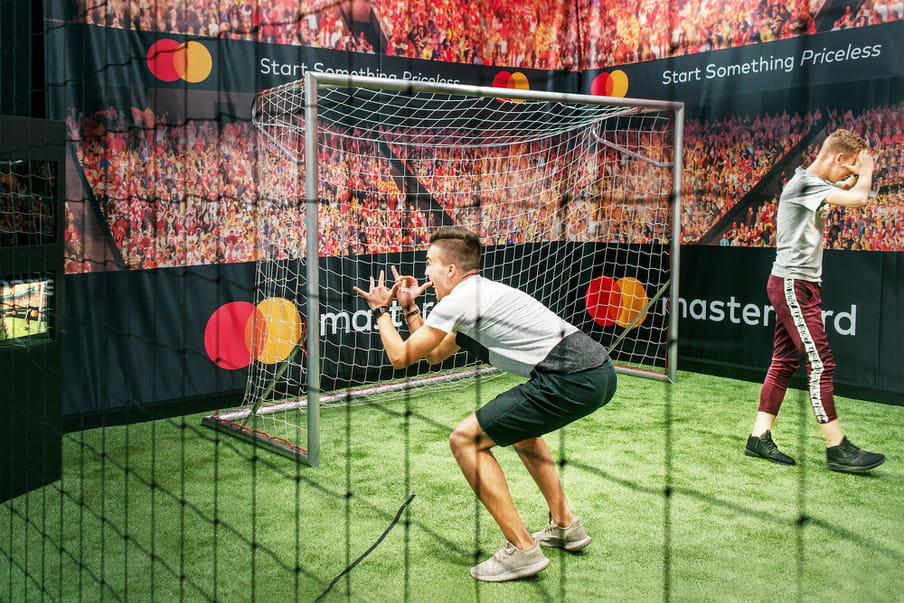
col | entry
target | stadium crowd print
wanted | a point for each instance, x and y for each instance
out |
(138, 165)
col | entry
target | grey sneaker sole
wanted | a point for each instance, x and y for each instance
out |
(521, 572)
(578, 544)
(571, 547)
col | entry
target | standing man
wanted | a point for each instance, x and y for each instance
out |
(570, 376)
(793, 290)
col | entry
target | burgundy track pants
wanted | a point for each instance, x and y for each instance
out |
(799, 333)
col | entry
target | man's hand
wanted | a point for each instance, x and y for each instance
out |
(854, 191)
(378, 294)
(406, 288)
(426, 340)
(863, 165)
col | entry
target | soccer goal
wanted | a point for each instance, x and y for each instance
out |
(575, 197)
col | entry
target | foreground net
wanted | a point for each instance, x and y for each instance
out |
(574, 198)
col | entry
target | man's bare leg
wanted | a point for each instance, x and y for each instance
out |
(471, 447)
(536, 457)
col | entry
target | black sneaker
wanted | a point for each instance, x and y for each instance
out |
(847, 458)
(763, 447)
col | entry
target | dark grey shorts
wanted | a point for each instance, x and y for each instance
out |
(546, 402)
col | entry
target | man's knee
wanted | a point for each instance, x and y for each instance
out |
(784, 367)
(468, 435)
(527, 446)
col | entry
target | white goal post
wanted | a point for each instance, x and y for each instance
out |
(576, 199)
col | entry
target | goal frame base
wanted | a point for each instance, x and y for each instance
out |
(233, 422)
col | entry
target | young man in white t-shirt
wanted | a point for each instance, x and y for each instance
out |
(794, 291)
(570, 376)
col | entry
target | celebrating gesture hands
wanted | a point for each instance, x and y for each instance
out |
(405, 290)
(861, 173)
(378, 294)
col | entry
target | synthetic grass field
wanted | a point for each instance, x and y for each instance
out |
(170, 510)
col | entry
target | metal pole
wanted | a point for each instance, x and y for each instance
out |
(352, 81)
(676, 243)
(312, 338)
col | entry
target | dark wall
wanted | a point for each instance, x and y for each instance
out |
(31, 358)
(22, 56)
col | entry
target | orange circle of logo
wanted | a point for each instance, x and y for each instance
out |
(169, 61)
(613, 83)
(516, 80)
(616, 302)
(238, 333)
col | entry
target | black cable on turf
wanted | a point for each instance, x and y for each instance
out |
(392, 524)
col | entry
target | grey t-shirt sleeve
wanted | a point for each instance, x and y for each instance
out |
(799, 227)
(808, 190)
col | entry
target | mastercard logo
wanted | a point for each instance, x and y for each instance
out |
(516, 80)
(170, 60)
(612, 83)
(616, 302)
(239, 333)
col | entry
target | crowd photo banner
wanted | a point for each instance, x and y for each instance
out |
(163, 189)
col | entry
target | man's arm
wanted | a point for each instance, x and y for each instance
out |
(426, 342)
(407, 290)
(445, 348)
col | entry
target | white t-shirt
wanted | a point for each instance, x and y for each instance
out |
(516, 329)
(799, 227)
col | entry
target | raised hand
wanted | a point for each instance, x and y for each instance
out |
(865, 162)
(378, 294)
(407, 289)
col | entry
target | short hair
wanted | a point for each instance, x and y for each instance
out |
(844, 141)
(460, 246)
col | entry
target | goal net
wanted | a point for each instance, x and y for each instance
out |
(574, 198)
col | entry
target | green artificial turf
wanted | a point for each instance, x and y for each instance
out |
(170, 510)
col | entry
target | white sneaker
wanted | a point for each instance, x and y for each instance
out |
(573, 538)
(510, 563)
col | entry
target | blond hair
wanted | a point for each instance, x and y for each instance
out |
(843, 141)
